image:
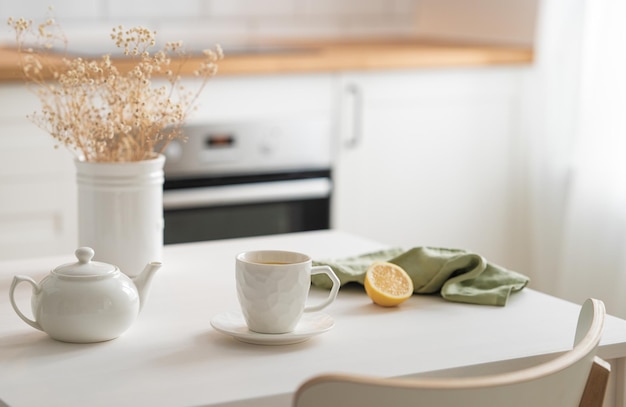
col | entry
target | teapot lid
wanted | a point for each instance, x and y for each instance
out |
(85, 267)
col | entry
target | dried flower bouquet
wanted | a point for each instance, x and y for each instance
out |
(100, 113)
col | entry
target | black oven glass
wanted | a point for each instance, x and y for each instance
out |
(224, 222)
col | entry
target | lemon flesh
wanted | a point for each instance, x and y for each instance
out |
(387, 284)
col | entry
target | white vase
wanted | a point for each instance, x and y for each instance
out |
(120, 212)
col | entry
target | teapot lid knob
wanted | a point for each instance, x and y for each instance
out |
(84, 254)
(85, 267)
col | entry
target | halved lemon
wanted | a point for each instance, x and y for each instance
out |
(387, 284)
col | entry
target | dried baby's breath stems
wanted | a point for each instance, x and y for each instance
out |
(94, 110)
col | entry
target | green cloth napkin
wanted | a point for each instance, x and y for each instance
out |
(458, 275)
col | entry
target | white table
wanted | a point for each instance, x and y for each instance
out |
(173, 357)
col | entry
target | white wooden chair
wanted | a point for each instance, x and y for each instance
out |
(574, 378)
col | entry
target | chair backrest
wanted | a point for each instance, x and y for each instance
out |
(559, 382)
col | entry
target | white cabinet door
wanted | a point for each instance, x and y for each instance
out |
(37, 183)
(429, 158)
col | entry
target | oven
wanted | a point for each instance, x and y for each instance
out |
(263, 177)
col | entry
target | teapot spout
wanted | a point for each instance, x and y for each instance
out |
(143, 280)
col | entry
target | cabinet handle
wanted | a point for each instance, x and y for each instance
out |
(356, 97)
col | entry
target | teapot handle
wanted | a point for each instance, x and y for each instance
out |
(16, 281)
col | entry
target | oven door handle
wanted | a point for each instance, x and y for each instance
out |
(274, 191)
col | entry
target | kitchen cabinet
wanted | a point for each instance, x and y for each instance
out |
(37, 183)
(421, 156)
(430, 157)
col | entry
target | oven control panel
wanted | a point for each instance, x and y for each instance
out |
(250, 148)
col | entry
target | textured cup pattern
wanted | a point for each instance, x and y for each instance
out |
(272, 298)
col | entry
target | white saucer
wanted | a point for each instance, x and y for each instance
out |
(233, 324)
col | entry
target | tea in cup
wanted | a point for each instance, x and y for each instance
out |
(273, 288)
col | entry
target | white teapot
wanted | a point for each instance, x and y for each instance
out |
(87, 301)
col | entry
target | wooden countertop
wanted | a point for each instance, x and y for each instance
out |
(333, 56)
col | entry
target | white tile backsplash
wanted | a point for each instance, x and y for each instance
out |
(155, 9)
(38, 9)
(205, 33)
(303, 28)
(230, 21)
(244, 21)
(507, 21)
(252, 8)
(349, 7)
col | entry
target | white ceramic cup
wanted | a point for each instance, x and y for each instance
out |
(273, 287)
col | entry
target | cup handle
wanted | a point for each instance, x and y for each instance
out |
(333, 291)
